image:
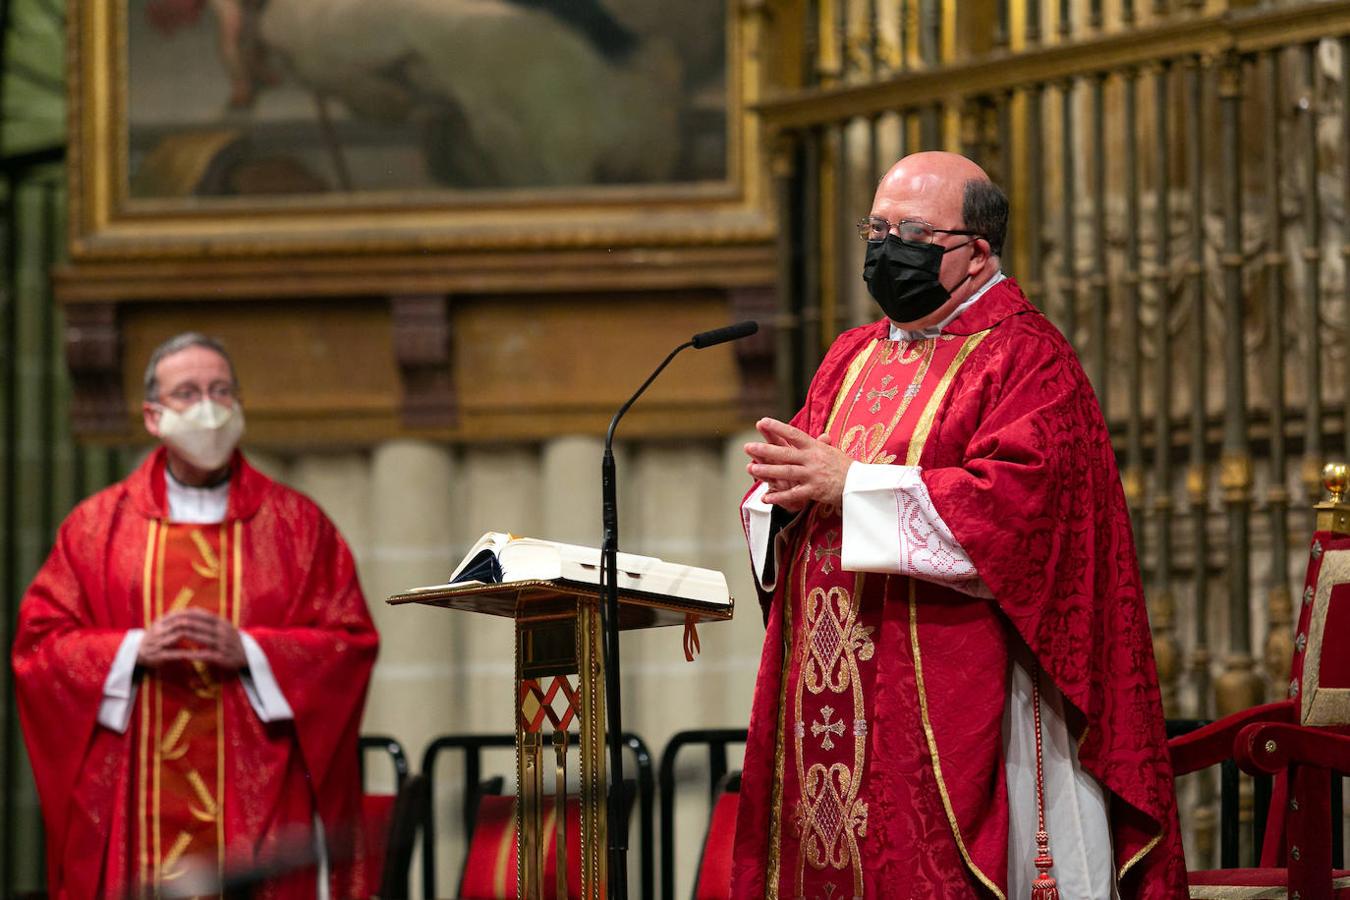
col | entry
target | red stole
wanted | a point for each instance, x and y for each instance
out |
(179, 742)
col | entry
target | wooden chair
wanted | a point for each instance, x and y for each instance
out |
(1300, 743)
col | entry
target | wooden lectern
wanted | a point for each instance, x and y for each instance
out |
(560, 681)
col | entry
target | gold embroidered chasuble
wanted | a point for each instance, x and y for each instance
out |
(837, 626)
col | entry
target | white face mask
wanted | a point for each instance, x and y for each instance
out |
(205, 434)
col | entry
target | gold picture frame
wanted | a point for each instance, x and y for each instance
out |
(428, 240)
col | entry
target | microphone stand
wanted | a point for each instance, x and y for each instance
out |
(609, 625)
(609, 615)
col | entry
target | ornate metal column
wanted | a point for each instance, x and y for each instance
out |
(1239, 686)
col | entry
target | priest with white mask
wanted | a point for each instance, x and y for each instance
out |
(192, 663)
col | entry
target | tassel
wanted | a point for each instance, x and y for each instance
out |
(1044, 887)
(691, 643)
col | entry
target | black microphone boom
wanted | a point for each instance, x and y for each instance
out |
(722, 335)
(609, 612)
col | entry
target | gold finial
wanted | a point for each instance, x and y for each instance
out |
(1334, 515)
(1336, 479)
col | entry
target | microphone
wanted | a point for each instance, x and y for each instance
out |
(722, 335)
(609, 614)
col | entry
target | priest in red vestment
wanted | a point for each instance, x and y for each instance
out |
(957, 643)
(192, 663)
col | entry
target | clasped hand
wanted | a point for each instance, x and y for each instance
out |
(797, 468)
(192, 635)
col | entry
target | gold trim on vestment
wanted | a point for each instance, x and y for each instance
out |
(1129, 864)
(225, 613)
(932, 745)
(836, 609)
(912, 456)
(873, 437)
(1319, 705)
(238, 553)
(152, 685)
(142, 768)
(780, 735)
(925, 424)
(850, 376)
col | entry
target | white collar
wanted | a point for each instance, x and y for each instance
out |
(932, 331)
(196, 505)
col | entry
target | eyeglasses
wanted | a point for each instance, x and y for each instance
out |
(914, 231)
(190, 394)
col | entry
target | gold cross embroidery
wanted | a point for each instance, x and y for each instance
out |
(876, 395)
(828, 552)
(827, 728)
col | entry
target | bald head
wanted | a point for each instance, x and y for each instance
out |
(929, 186)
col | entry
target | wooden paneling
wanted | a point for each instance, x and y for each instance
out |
(526, 368)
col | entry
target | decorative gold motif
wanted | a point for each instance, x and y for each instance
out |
(181, 602)
(826, 728)
(835, 641)
(209, 567)
(850, 378)
(170, 748)
(168, 869)
(877, 395)
(829, 816)
(833, 818)
(1333, 514)
(829, 551)
(209, 809)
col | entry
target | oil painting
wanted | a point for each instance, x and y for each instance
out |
(421, 99)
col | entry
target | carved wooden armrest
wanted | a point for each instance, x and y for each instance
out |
(1215, 742)
(1268, 748)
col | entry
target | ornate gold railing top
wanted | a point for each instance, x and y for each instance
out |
(1240, 32)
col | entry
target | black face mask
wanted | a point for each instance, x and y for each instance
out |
(903, 277)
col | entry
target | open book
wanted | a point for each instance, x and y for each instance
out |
(499, 558)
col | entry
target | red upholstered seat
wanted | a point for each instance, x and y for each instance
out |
(714, 872)
(490, 869)
(1300, 741)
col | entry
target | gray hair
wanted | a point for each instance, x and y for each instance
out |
(177, 344)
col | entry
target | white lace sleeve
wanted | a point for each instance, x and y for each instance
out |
(892, 527)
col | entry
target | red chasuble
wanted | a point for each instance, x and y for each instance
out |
(874, 766)
(197, 778)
